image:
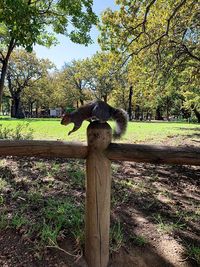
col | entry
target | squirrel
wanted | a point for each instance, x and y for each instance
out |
(97, 110)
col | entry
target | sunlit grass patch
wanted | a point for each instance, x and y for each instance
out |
(137, 132)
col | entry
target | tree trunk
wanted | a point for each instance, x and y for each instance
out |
(158, 114)
(186, 113)
(148, 116)
(130, 103)
(16, 108)
(36, 110)
(2, 79)
(137, 112)
(142, 115)
(197, 114)
(5, 67)
(82, 102)
(167, 108)
(105, 98)
(31, 109)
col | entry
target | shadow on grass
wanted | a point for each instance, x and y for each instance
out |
(197, 129)
(195, 135)
(158, 198)
(150, 200)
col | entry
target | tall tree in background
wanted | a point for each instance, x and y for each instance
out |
(104, 71)
(38, 95)
(94, 77)
(164, 35)
(24, 69)
(27, 22)
(130, 102)
(64, 92)
(77, 75)
(120, 94)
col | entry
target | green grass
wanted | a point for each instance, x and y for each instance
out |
(193, 252)
(139, 240)
(48, 218)
(18, 132)
(39, 212)
(165, 227)
(116, 236)
(158, 132)
(137, 132)
(18, 221)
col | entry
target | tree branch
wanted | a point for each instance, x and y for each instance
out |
(42, 12)
(10, 83)
(185, 50)
(2, 57)
(157, 40)
(190, 53)
(146, 14)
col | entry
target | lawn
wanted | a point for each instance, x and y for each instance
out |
(171, 133)
(155, 209)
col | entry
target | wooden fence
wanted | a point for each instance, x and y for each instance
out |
(98, 154)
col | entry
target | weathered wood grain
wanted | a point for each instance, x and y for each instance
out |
(42, 148)
(154, 154)
(98, 190)
(124, 152)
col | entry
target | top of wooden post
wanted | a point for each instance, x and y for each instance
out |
(99, 135)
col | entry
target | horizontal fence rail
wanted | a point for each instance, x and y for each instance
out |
(42, 148)
(154, 154)
(123, 152)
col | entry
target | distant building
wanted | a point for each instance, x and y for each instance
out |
(55, 112)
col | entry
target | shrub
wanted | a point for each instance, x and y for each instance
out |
(20, 132)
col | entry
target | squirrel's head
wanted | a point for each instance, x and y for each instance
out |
(65, 119)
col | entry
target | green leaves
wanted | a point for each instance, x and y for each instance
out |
(159, 43)
(31, 22)
(26, 23)
(152, 25)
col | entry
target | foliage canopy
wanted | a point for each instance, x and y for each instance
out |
(24, 23)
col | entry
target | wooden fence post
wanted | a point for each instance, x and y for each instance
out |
(98, 187)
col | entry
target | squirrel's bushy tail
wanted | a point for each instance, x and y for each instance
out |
(121, 118)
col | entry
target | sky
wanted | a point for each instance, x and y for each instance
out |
(66, 50)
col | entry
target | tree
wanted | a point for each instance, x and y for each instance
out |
(91, 77)
(77, 75)
(189, 84)
(165, 37)
(141, 25)
(63, 92)
(120, 94)
(24, 23)
(104, 72)
(24, 70)
(6, 102)
(37, 95)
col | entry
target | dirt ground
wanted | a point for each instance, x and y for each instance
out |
(158, 207)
